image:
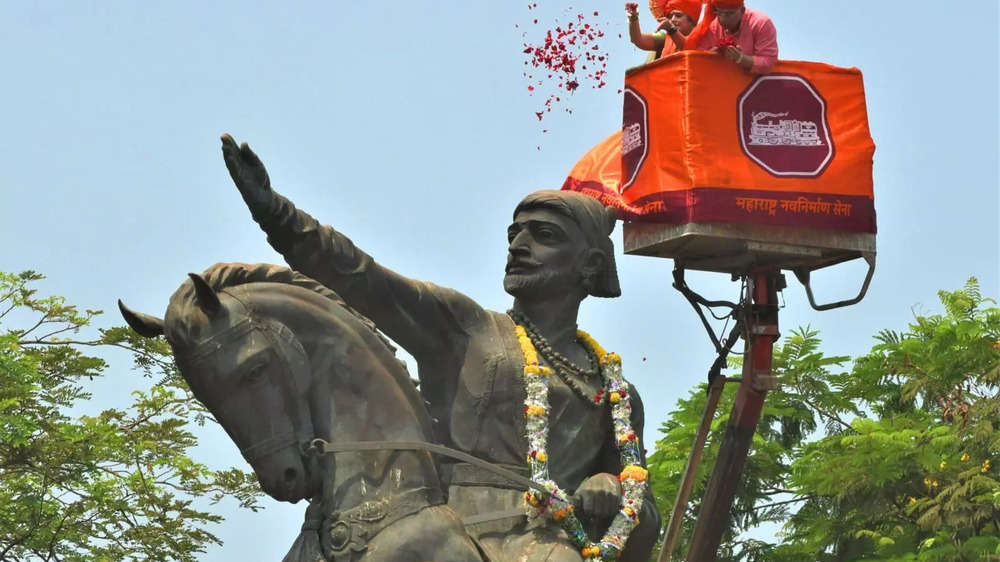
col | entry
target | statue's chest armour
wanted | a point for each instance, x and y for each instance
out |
(488, 411)
(486, 415)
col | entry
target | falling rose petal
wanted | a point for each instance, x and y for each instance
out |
(562, 51)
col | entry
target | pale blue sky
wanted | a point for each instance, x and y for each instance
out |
(409, 127)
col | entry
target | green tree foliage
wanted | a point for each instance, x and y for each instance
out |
(804, 403)
(118, 485)
(892, 460)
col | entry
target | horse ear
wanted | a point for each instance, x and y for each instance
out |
(207, 299)
(144, 324)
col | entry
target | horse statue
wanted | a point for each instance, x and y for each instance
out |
(283, 364)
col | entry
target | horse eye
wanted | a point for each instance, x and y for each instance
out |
(254, 375)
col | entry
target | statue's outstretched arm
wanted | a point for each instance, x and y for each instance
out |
(417, 315)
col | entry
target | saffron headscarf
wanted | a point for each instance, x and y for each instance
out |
(691, 8)
(594, 219)
(701, 29)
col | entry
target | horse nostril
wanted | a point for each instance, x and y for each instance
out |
(290, 474)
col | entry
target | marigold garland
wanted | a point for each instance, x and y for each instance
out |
(633, 476)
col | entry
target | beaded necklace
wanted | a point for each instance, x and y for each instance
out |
(556, 503)
(568, 372)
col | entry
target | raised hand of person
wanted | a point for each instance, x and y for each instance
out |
(248, 173)
(666, 25)
(631, 9)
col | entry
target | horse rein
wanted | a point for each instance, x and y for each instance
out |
(321, 446)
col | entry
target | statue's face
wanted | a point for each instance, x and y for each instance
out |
(545, 254)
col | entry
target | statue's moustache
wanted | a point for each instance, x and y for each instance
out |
(517, 265)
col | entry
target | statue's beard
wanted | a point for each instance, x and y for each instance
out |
(540, 284)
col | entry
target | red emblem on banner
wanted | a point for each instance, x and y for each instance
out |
(635, 135)
(783, 126)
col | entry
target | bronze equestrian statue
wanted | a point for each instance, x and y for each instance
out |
(523, 390)
(469, 359)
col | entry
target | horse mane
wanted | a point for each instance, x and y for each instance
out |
(223, 275)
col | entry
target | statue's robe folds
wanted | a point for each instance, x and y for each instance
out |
(470, 367)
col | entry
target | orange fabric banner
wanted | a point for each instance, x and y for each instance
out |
(702, 141)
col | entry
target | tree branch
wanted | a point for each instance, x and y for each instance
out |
(832, 417)
(41, 321)
(55, 332)
(772, 491)
(13, 543)
(99, 343)
(9, 308)
(794, 500)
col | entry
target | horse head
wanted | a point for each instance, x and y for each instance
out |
(251, 372)
(281, 360)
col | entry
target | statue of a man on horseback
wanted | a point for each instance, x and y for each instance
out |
(476, 368)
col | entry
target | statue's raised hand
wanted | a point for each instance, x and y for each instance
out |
(248, 173)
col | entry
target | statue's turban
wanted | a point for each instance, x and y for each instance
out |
(594, 219)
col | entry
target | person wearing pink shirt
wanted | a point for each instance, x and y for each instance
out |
(746, 37)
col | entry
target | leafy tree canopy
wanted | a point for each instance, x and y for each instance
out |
(891, 460)
(116, 486)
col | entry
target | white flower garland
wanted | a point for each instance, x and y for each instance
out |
(633, 477)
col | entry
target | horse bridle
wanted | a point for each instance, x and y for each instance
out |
(285, 375)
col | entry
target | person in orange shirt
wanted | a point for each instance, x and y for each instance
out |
(677, 18)
(746, 37)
